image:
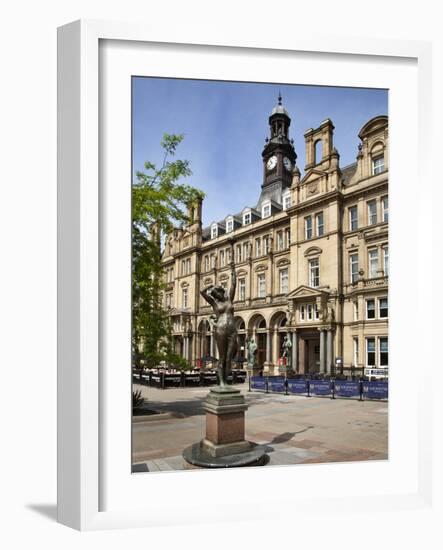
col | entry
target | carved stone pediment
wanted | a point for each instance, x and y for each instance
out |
(312, 175)
(282, 262)
(313, 251)
(304, 292)
(261, 267)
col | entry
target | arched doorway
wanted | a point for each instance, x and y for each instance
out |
(204, 333)
(279, 328)
(241, 337)
(258, 329)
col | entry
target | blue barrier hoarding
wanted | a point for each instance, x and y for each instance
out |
(277, 384)
(320, 387)
(347, 388)
(297, 386)
(375, 389)
(258, 383)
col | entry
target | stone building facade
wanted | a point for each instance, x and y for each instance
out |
(311, 257)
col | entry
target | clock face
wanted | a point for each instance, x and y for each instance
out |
(272, 163)
(287, 163)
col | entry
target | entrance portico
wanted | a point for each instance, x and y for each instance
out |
(312, 327)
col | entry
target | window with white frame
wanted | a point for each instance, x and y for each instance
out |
(188, 266)
(314, 272)
(373, 262)
(319, 224)
(245, 251)
(356, 352)
(184, 298)
(372, 212)
(168, 300)
(385, 209)
(228, 255)
(287, 237)
(284, 281)
(222, 258)
(309, 311)
(353, 267)
(183, 267)
(355, 304)
(383, 308)
(280, 243)
(214, 231)
(353, 218)
(302, 312)
(370, 352)
(242, 290)
(286, 201)
(378, 164)
(206, 263)
(308, 227)
(229, 225)
(266, 210)
(257, 248)
(238, 253)
(316, 312)
(266, 245)
(370, 309)
(383, 351)
(212, 261)
(261, 285)
(386, 261)
(247, 218)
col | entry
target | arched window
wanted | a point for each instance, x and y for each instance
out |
(318, 152)
(262, 324)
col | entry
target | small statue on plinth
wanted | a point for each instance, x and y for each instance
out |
(223, 322)
(286, 350)
(251, 347)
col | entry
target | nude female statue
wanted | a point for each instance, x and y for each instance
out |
(225, 329)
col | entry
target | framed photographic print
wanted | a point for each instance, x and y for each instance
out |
(233, 270)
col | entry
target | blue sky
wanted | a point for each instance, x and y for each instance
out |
(225, 125)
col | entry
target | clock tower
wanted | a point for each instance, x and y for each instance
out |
(279, 155)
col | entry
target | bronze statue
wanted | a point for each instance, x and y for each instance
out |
(225, 329)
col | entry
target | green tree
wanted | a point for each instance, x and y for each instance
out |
(159, 198)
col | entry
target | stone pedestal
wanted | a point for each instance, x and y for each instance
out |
(224, 445)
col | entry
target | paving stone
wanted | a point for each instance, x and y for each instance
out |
(294, 428)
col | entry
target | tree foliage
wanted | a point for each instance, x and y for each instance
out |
(159, 198)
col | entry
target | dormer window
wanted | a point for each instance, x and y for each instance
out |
(229, 224)
(378, 165)
(286, 199)
(246, 218)
(266, 210)
(214, 231)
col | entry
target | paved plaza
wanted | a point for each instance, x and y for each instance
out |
(295, 429)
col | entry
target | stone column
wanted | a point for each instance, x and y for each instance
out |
(294, 363)
(322, 351)
(329, 352)
(268, 346)
(268, 364)
(185, 347)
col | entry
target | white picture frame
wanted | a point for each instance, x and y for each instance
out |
(85, 464)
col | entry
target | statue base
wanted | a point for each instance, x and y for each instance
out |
(224, 445)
